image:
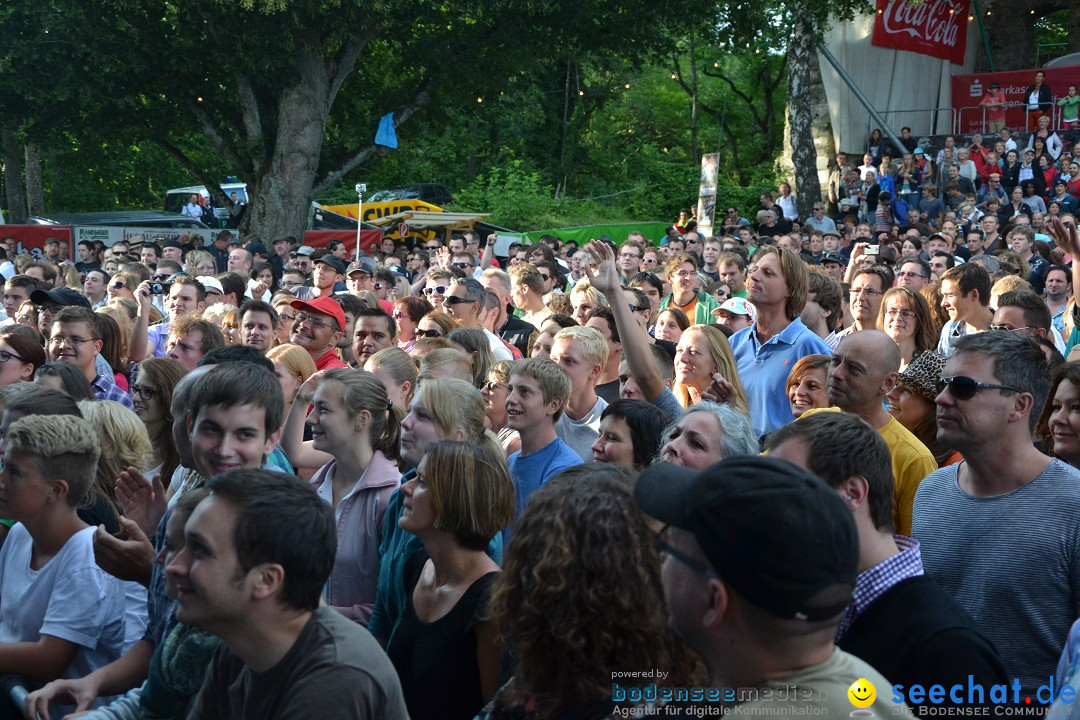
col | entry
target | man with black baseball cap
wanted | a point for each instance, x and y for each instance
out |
(761, 557)
(327, 274)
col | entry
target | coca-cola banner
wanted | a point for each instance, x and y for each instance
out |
(933, 27)
(968, 92)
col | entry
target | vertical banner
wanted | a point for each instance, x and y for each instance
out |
(706, 204)
(937, 28)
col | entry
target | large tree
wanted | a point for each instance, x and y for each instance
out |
(286, 94)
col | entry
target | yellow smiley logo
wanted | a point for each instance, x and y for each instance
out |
(862, 693)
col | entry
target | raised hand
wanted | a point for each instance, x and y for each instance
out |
(130, 559)
(606, 276)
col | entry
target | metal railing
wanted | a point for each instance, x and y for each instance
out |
(1056, 115)
(934, 113)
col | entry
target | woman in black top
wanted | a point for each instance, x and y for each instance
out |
(445, 652)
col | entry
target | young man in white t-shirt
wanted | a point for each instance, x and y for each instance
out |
(61, 615)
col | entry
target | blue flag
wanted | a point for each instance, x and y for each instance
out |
(385, 135)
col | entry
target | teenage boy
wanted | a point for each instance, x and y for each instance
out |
(257, 554)
(63, 615)
(582, 354)
(965, 295)
(535, 398)
(76, 338)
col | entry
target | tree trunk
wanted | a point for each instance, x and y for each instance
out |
(694, 103)
(13, 178)
(35, 191)
(800, 115)
(282, 194)
(1010, 28)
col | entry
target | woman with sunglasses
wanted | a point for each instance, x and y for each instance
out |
(151, 394)
(20, 357)
(433, 325)
(407, 314)
(911, 402)
(122, 285)
(494, 393)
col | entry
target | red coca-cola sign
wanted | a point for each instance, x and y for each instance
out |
(933, 27)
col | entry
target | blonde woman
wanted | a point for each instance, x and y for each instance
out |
(293, 366)
(705, 366)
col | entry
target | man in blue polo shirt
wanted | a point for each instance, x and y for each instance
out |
(766, 351)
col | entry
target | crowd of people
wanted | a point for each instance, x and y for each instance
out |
(259, 479)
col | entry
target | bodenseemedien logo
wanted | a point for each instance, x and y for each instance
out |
(862, 694)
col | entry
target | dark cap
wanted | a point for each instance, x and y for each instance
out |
(304, 250)
(59, 296)
(833, 257)
(994, 86)
(364, 265)
(257, 248)
(52, 241)
(328, 259)
(172, 243)
(778, 535)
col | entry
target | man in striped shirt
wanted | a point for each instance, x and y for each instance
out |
(1001, 530)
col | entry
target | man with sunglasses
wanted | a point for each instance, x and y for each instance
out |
(319, 326)
(761, 556)
(464, 303)
(1001, 530)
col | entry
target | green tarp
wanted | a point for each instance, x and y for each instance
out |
(653, 231)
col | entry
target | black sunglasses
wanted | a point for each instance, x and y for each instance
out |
(427, 333)
(455, 300)
(964, 388)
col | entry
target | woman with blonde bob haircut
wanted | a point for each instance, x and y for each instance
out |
(905, 316)
(441, 409)
(397, 371)
(703, 351)
(460, 497)
(357, 430)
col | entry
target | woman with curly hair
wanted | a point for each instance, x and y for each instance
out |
(445, 650)
(580, 598)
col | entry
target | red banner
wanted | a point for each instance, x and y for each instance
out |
(969, 90)
(321, 238)
(934, 27)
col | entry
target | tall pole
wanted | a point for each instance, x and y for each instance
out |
(859, 95)
(361, 188)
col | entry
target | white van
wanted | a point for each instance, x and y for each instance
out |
(177, 198)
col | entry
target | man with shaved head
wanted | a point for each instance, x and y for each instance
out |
(866, 366)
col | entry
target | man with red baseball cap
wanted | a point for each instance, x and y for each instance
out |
(318, 328)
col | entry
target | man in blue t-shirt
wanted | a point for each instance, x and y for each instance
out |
(535, 399)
